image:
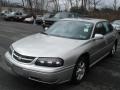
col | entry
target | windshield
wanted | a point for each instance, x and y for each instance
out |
(71, 29)
(116, 22)
(46, 15)
(61, 15)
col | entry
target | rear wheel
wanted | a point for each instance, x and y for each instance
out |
(79, 71)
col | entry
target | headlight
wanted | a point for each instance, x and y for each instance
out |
(49, 62)
(10, 49)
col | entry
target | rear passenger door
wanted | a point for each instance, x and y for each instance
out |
(109, 36)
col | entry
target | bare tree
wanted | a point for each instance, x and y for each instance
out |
(48, 4)
(23, 3)
(115, 2)
(85, 4)
(71, 3)
(89, 4)
(0, 5)
(55, 4)
(95, 3)
(76, 3)
(66, 5)
(82, 5)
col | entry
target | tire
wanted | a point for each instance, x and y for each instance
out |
(113, 51)
(79, 71)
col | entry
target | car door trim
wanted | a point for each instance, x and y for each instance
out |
(98, 60)
(100, 50)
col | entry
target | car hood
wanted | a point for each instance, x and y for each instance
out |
(52, 19)
(40, 45)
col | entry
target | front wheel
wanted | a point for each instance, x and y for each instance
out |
(79, 71)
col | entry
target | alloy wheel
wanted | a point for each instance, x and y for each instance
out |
(80, 71)
(113, 50)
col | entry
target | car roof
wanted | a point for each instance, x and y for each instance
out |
(92, 20)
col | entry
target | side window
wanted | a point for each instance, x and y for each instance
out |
(20, 13)
(100, 29)
(108, 27)
(17, 13)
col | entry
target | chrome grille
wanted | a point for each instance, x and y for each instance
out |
(22, 58)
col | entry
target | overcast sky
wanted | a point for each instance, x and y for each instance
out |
(108, 3)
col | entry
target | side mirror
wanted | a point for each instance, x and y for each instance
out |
(99, 36)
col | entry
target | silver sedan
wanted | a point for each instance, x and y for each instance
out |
(64, 52)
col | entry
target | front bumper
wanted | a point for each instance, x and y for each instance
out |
(40, 74)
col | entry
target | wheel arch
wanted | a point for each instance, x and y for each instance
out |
(86, 55)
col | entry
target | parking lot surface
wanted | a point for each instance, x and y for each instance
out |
(105, 75)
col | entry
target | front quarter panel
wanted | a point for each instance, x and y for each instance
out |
(73, 56)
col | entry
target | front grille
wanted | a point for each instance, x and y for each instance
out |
(22, 58)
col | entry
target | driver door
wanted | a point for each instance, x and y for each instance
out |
(98, 44)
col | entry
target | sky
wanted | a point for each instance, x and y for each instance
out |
(107, 3)
(110, 2)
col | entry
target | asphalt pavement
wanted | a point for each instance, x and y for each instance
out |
(105, 75)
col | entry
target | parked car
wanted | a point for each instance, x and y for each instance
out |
(4, 12)
(61, 15)
(64, 52)
(15, 16)
(38, 17)
(39, 20)
(29, 19)
(116, 25)
(22, 17)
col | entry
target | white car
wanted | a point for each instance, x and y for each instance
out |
(29, 20)
(116, 25)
